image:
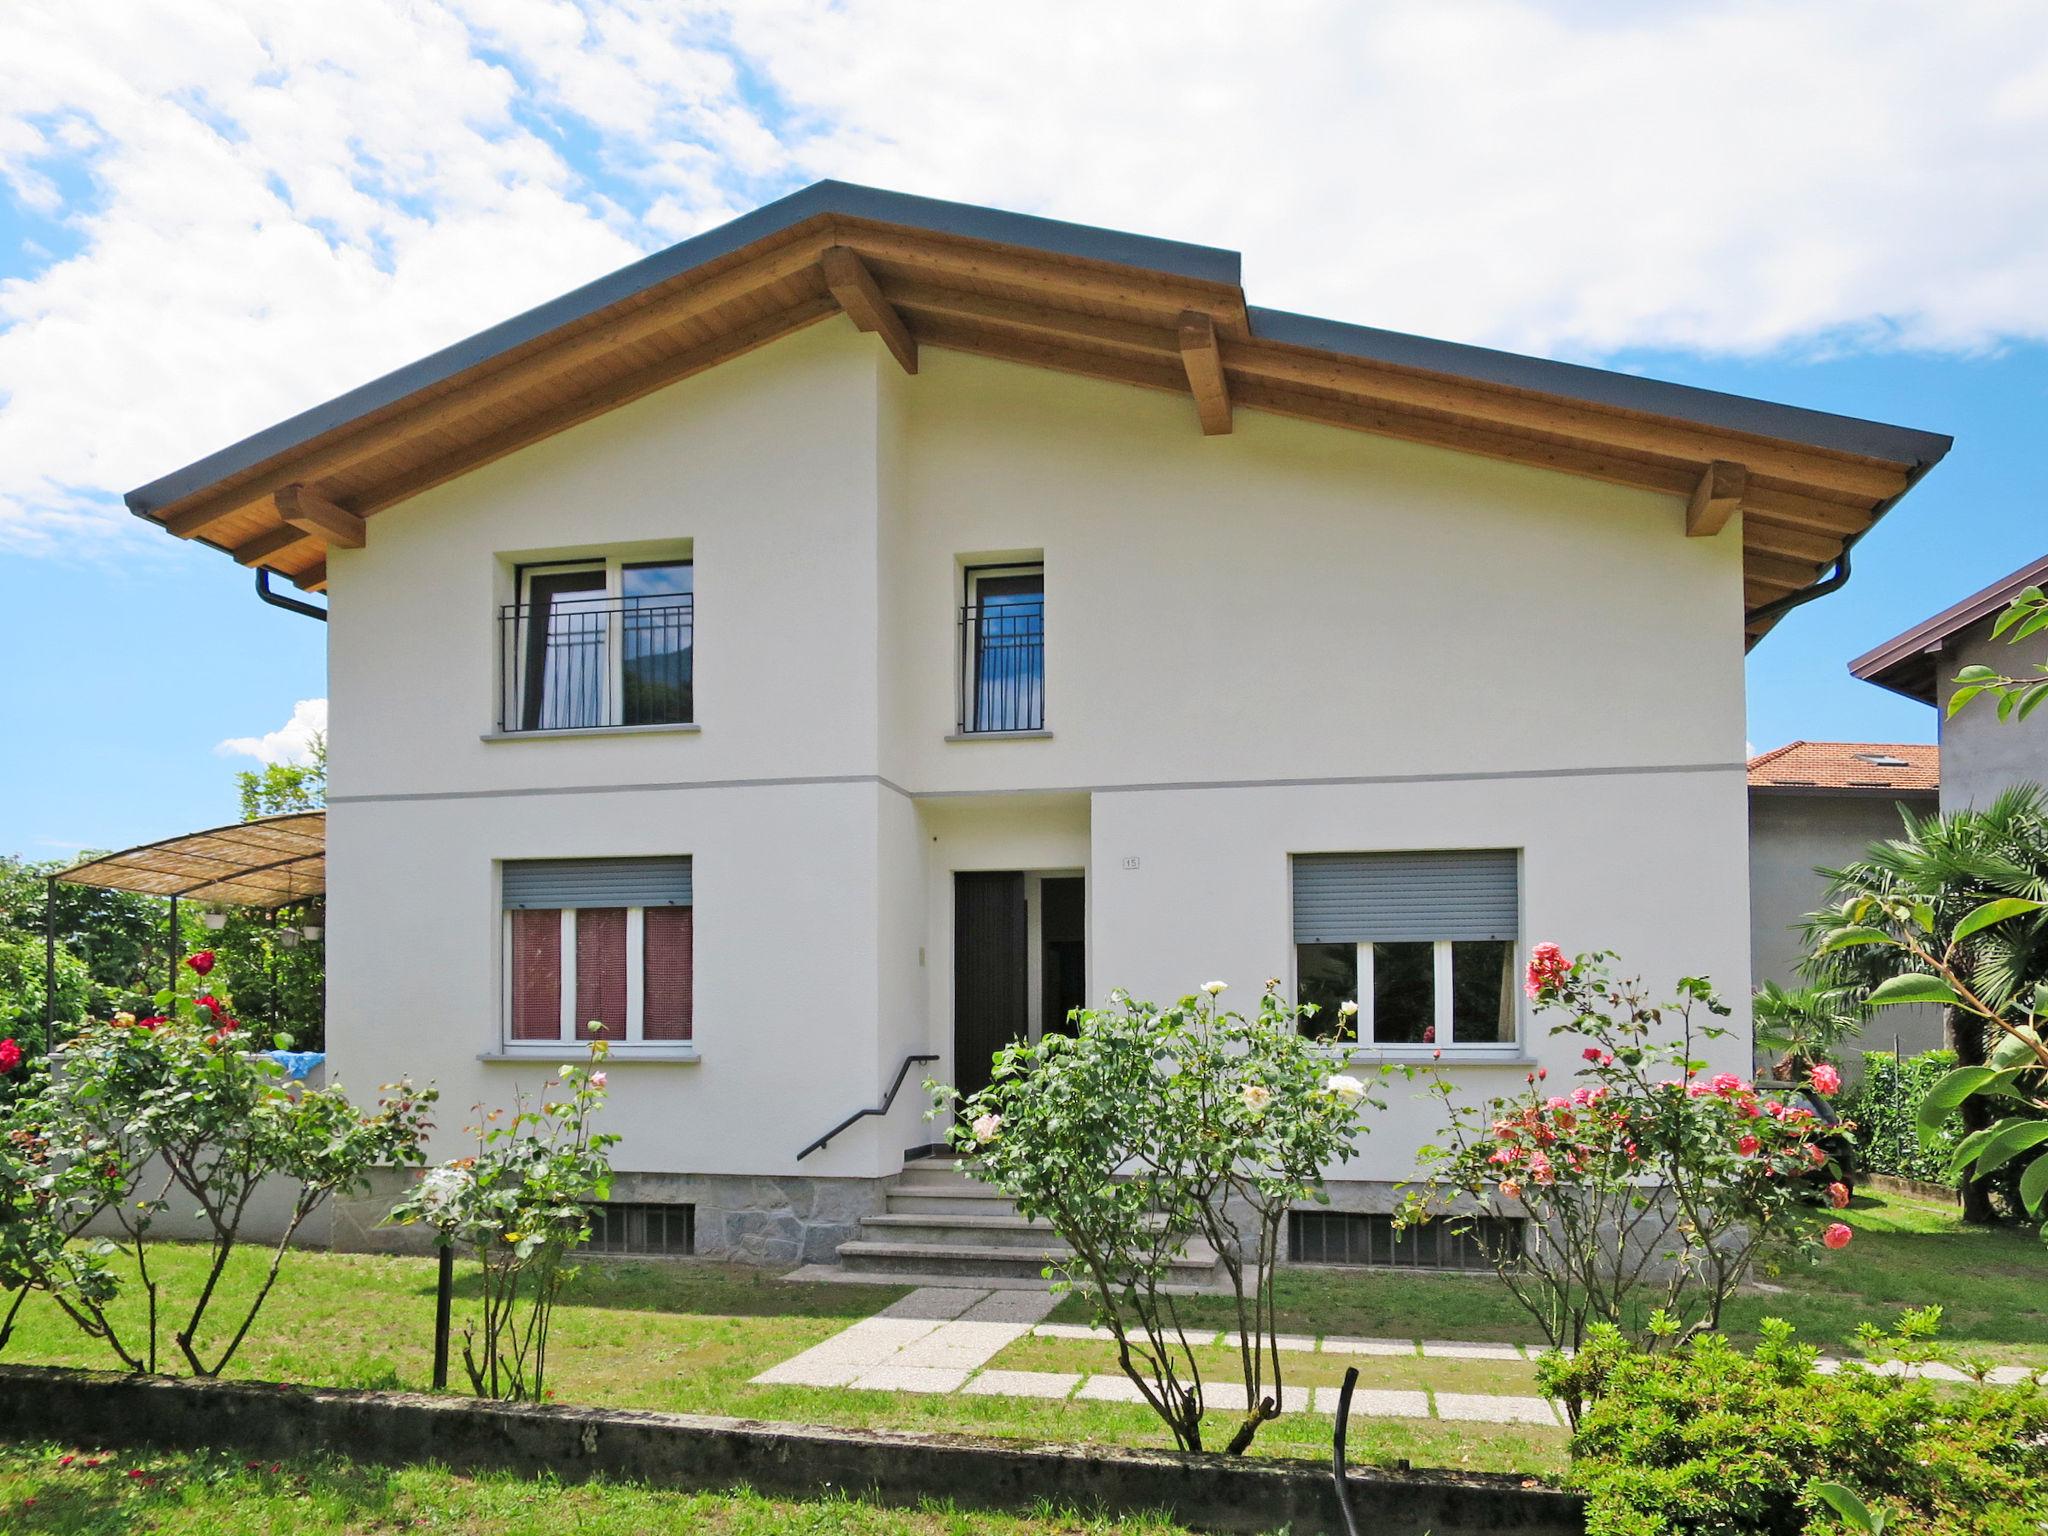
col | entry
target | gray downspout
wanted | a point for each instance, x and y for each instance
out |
(279, 600)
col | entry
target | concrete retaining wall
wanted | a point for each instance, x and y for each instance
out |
(686, 1451)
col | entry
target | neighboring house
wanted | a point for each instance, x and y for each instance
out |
(1067, 624)
(1980, 754)
(1816, 805)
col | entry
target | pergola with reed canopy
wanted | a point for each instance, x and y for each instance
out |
(272, 862)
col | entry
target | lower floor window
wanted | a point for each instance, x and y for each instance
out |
(1410, 992)
(648, 1228)
(1374, 1240)
(627, 969)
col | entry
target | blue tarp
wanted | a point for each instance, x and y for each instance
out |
(297, 1063)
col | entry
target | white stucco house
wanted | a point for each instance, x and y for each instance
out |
(860, 633)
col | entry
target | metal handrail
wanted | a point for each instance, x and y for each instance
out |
(888, 1099)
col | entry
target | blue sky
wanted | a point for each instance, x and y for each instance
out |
(212, 219)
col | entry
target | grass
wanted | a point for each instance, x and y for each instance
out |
(687, 1337)
(1906, 1253)
(202, 1495)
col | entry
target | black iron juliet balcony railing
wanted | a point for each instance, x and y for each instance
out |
(1002, 666)
(573, 663)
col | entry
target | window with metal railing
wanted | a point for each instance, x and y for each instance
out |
(1375, 1240)
(594, 644)
(1002, 650)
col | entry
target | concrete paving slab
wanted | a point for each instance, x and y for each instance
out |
(801, 1372)
(908, 1378)
(1298, 1342)
(938, 1304)
(1110, 1389)
(1337, 1346)
(1047, 1384)
(1454, 1349)
(1376, 1403)
(1011, 1307)
(1479, 1408)
(1072, 1331)
(1229, 1397)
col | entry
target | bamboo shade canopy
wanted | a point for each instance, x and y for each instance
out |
(268, 863)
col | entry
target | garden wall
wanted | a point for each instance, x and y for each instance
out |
(684, 1451)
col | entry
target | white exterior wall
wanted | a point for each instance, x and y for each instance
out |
(1290, 639)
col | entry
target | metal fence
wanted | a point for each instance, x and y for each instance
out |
(1002, 666)
(576, 663)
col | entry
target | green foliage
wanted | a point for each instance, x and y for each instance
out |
(2018, 695)
(1885, 1109)
(1149, 1127)
(522, 1203)
(1712, 1442)
(1803, 1025)
(277, 788)
(129, 1113)
(1651, 1190)
(23, 973)
(115, 940)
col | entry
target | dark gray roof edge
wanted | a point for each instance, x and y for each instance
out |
(1904, 663)
(1200, 262)
(1601, 386)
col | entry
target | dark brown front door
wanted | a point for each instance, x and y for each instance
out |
(990, 962)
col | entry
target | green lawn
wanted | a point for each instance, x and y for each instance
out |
(205, 1495)
(686, 1337)
(1906, 1253)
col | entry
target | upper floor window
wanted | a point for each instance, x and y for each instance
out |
(1002, 649)
(596, 643)
(598, 941)
(1423, 943)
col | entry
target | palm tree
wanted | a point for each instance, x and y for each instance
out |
(1950, 864)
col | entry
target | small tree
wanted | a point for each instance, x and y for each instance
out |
(1150, 1127)
(178, 1099)
(522, 1202)
(1651, 1190)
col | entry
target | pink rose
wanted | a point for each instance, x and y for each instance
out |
(1837, 1236)
(1547, 969)
(1838, 1195)
(1825, 1079)
(10, 1055)
(1748, 1146)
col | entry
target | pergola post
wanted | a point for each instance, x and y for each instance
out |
(172, 945)
(49, 963)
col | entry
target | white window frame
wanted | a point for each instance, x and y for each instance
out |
(969, 659)
(614, 568)
(1441, 1011)
(636, 983)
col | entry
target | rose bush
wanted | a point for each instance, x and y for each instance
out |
(1150, 1127)
(1651, 1188)
(179, 1100)
(521, 1202)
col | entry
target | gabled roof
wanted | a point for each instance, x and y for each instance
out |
(1906, 663)
(1153, 313)
(1903, 766)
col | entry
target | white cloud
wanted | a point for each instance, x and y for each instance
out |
(291, 742)
(287, 200)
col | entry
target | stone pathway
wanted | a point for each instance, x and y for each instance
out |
(940, 1339)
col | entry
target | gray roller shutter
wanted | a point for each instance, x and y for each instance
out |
(1359, 898)
(597, 882)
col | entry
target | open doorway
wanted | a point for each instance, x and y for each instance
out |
(1020, 962)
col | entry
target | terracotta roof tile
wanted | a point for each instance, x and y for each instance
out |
(1899, 765)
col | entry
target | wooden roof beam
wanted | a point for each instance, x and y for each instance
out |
(921, 298)
(1203, 360)
(314, 514)
(265, 546)
(506, 378)
(1717, 498)
(853, 285)
(312, 579)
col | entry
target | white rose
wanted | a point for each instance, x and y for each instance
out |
(597, 1079)
(1346, 1087)
(1215, 987)
(986, 1127)
(1256, 1096)
(1347, 1010)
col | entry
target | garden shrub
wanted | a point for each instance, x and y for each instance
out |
(521, 1202)
(1709, 1441)
(1885, 1108)
(1651, 1189)
(1150, 1126)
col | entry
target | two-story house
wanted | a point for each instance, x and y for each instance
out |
(868, 630)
